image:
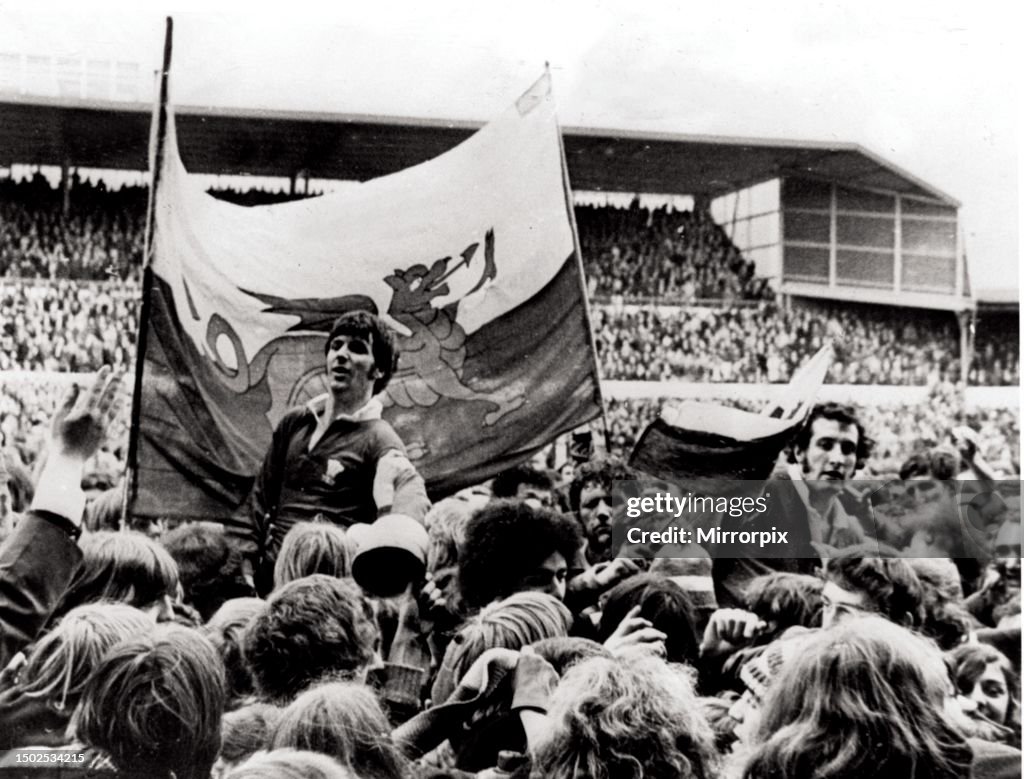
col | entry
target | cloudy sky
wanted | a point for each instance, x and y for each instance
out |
(932, 86)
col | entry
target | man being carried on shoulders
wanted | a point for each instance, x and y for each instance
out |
(335, 458)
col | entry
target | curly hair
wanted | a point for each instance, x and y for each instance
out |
(345, 721)
(864, 698)
(313, 547)
(154, 704)
(363, 324)
(311, 629)
(889, 584)
(505, 541)
(602, 472)
(629, 717)
(125, 567)
(846, 417)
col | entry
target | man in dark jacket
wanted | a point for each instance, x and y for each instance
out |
(37, 560)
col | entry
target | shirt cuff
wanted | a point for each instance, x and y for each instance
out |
(59, 489)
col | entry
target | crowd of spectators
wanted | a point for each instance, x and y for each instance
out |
(663, 253)
(67, 326)
(64, 325)
(899, 429)
(526, 649)
(53, 320)
(766, 343)
(97, 234)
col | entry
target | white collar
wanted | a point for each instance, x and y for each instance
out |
(373, 409)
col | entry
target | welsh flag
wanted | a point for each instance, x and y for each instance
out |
(470, 258)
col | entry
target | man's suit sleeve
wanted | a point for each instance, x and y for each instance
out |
(36, 564)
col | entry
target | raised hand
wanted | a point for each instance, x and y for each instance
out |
(80, 421)
(636, 632)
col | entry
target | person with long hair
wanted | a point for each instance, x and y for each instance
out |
(986, 677)
(313, 547)
(153, 706)
(36, 709)
(634, 716)
(345, 721)
(126, 568)
(865, 698)
(290, 764)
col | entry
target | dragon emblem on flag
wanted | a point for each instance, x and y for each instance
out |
(430, 340)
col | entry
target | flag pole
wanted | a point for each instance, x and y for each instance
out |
(569, 207)
(157, 140)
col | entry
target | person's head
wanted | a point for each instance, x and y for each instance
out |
(590, 497)
(313, 547)
(872, 585)
(863, 698)
(290, 764)
(360, 355)
(1007, 552)
(244, 732)
(60, 662)
(311, 630)
(664, 604)
(832, 446)
(123, 567)
(630, 716)
(345, 721)
(932, 528)
(225, 630)
(985, 675)
(154, 704)
(928, 475)
(513, 623)
(513, 547)
(527, 483)
(209, 566)
(784, 600)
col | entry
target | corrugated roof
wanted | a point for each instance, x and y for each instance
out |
(351, 147)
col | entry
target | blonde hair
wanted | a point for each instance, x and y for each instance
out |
(313, 547)
(864, 697)
(634, 716)
(61, 661)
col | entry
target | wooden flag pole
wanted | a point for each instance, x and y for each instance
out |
(570, 208)
(156, 161)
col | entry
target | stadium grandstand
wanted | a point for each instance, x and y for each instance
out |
(384, 504)
(726, 262)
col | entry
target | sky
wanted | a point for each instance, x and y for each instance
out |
(933, 87)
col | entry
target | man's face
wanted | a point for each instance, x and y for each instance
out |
(351, 369)
(831, 454)
(838, 604)
(1008, 553)
(921, 490)
(596, 517)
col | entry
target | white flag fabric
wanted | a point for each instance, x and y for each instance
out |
(469, 257)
